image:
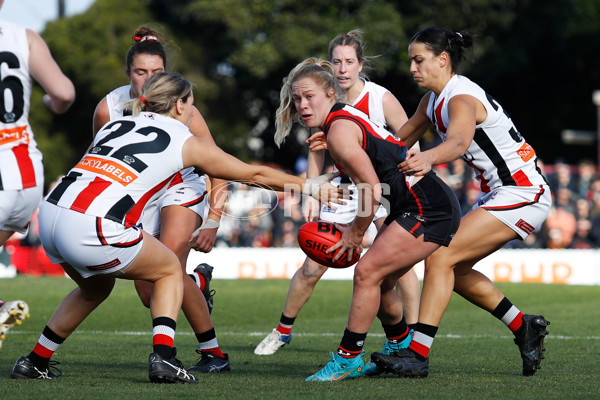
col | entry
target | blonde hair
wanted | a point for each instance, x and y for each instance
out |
(321, 71)
(160, 94)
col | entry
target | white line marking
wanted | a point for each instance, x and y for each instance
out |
(299, 334)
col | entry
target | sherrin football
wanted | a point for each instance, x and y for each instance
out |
(316, 237)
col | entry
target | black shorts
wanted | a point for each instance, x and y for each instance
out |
(429, 208)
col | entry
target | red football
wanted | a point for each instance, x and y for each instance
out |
(316, 237)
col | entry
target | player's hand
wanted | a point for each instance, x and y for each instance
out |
(416, 163)
(317, 141)
(310, 209)
(351, 242)
(321, 189)
(203, 239)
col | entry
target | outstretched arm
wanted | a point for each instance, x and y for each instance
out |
(215, 162)
(459, 135)
(60, 92)
(207, 233)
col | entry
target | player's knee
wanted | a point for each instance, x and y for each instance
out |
(311, 271)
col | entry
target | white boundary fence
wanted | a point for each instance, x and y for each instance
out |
(573, 267)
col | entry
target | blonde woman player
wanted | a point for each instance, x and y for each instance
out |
(181, 210)
(423, 212)
(347, 54)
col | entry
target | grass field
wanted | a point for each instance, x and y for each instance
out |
(473, 356)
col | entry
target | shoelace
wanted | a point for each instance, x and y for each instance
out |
(331, 365)
(180, 370)
(51, 365)
(204, 356)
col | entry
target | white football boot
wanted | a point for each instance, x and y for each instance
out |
(273, 342)
(12, 313)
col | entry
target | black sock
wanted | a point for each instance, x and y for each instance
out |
(397, 332)
(42, 362)
(286, 320)
(352, 344)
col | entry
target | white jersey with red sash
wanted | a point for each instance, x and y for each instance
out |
(187, 189)
(20, 160)
(498, 153)
(370, 101)
(130, 165)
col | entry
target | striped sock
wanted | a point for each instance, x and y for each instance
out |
(396, 333)
(47, 344)
(352, 344)
(163, 336)
(198, 279)
(510, 315)
(285, 325)
(423, 339)
(209, 344)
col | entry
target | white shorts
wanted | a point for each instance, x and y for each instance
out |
(522, 208)
(92, 245)
(189, 192)
(345, 213)
(17, 207)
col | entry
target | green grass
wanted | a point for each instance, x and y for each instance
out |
(473, 356)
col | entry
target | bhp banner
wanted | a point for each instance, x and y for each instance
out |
(572, 267)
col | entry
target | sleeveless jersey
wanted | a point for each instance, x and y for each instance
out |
(498, 153)
(370, 101)
(116, 101)
(384, 150)
(20, 160)
(130, 165)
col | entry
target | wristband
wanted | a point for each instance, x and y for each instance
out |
(312, 186)
(209, 224)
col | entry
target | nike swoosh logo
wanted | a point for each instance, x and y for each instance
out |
(339, 378)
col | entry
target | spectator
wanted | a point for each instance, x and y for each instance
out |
(561, 177)
(582, 238)
(585, 174)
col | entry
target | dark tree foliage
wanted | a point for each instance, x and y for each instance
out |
(539, 59)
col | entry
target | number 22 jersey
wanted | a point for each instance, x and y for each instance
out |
(130, 165)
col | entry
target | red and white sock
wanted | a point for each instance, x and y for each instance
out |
(208, 343)
(285, 325)
(46, 346)
(163, 336)
(198, 279)
(510, 315)
(423, 339)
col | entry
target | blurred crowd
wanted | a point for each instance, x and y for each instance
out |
(257, 218)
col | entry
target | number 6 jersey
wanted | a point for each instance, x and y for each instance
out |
(20, 160)
(130, 164)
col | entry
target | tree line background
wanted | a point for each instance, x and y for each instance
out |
(539, 59)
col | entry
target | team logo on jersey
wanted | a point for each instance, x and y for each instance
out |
(524, 226)
(14, 135)
(526, 152)
(107, 168)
